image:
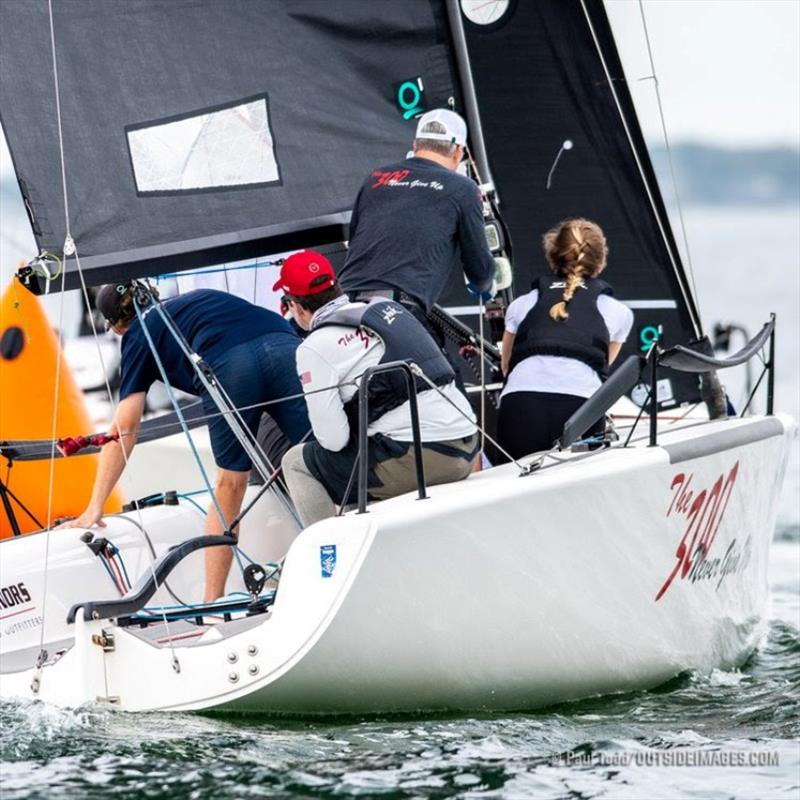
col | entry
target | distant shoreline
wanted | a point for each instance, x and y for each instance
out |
(718, 176)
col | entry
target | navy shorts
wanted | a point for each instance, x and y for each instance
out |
(253, 373)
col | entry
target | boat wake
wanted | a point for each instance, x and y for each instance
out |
(626, 740)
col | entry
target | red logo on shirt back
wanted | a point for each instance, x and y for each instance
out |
(384, 178)
(362, 334)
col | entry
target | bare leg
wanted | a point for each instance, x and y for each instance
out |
(229, 491)
(310, 497)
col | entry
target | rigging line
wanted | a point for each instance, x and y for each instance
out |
(215, 414)
(18, 303)
(273, 478)
(255, 265)
(662, 230)
(638, 417)
(481, 311)
(59, 120)
(251, 445)
(117, 556)
(117, 575)
(256, 449)
(152, 550)
(110, 574)
(685, 414)
(114, 405)
(344, 504)
(42, 657)
(669, 149)
(466, 416)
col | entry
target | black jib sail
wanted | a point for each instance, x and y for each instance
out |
(548, 72)
(201, 132)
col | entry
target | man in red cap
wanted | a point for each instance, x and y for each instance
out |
(344, 340)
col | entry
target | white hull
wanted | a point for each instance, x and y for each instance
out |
(499, 592)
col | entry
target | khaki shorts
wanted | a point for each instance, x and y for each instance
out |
(391, 465)
(449, 461)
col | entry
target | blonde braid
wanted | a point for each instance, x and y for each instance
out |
(575, 274)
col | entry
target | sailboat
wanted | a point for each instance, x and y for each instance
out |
(160, 137)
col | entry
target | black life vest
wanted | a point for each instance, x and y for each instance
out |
(404, 339)
(584, 336)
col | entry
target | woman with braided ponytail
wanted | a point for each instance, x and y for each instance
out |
(559, 340)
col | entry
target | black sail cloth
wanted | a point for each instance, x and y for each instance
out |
(540, 80)
(201, 132)
(197, 132)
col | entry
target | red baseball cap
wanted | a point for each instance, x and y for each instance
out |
(302, 269)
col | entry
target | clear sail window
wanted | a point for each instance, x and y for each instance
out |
(214, 149)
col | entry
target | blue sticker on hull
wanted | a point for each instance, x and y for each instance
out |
(327, 559)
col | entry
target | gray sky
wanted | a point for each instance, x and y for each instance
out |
(728, 70)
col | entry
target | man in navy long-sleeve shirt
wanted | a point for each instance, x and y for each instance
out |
(415, 220)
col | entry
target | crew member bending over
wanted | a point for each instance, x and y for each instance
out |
(559, 340)
(251, 351)
(345, 339)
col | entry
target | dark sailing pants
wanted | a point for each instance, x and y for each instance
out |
(529, 422)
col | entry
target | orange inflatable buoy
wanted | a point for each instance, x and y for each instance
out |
(29, 354)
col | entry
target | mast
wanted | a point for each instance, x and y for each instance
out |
(468, 91)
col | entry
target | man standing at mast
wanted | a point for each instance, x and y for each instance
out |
(415, 219)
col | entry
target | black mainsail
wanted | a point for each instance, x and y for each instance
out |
(200, 132)
(197, 132)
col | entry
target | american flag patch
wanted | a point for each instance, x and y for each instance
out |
(305, 378)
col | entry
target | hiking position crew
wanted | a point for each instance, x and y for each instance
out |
(345, 339)
(559, 340)
(414, 220)
(251, 351)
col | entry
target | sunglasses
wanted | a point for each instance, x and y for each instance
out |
(285, 300)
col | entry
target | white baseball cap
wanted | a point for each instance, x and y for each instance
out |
(454, 125)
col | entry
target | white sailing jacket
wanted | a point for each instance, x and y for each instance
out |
(336, 356)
